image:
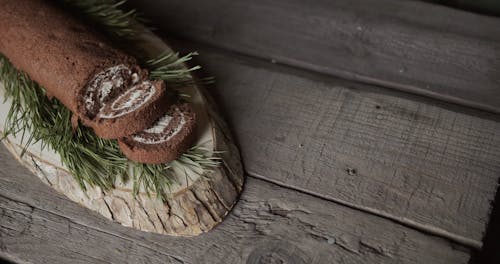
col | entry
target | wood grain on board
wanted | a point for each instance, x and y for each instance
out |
(430, 165)
(408, 45)
(270, 223)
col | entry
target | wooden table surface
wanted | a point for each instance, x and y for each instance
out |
(369, 130)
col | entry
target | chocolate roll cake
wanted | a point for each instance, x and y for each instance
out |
(101, 85)
(166, 140)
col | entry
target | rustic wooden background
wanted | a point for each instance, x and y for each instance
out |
(369, 132)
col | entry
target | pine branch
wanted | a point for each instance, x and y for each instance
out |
(108, 15)
(169, 66)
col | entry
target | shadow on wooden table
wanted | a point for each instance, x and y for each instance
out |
(487, 7)
(490, 252)
(4, 261)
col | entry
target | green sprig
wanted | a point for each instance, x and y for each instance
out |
(169, 66)
(108, 15)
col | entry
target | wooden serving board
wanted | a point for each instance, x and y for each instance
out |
(196, 204)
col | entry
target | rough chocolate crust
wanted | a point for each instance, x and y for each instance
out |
(54, 49)
(167, 151)
(135, 121)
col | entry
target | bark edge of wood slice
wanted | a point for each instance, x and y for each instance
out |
(196, 205)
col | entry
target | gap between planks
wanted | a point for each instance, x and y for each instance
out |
(442, 54)
(288, 210)
(427, 228)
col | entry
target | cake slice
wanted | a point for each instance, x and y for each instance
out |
(116, 111)
(80, 68)
(166, 140)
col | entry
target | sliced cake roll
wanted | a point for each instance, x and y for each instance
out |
(169, 137)
(100, 84)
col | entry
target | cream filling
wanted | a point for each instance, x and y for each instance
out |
(131, 103)
(159, 129)
(106, 86)
(105, 82)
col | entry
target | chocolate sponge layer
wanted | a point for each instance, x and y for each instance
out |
(63, 54)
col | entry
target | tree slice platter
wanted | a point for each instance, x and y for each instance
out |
(196, 203)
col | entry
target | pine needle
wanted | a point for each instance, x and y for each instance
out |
(169, 66)
(108, 15)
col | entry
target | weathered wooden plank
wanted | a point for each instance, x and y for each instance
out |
(427, 164)
(409, 45)
(269, 223)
